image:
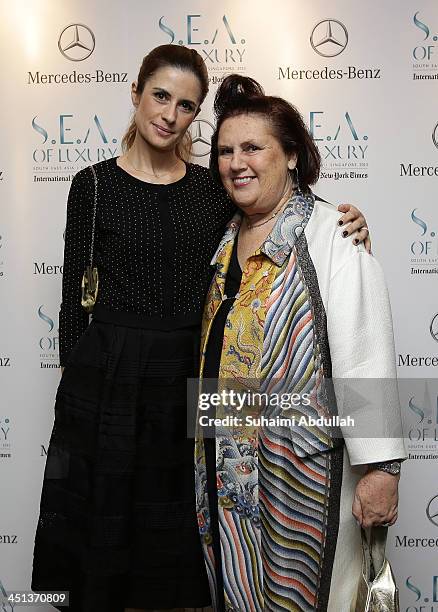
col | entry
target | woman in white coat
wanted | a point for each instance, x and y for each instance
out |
(292, 308)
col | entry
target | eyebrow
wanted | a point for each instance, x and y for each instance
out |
(242, 144)
(162, 90)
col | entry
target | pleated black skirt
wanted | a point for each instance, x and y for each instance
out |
(117, 524)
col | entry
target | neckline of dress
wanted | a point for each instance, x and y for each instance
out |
(138, 181)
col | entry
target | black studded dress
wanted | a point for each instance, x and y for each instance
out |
(117, 524)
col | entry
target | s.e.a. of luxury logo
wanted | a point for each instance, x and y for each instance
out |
(424, 246)
(420, 592)
(422, 426)
(5, 437)
(219, 41)
(68, 143)
(76, 43)
(343, 144)
(425, 51)
(48, 342)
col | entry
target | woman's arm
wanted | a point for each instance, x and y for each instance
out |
(361, 342)
(73, 319)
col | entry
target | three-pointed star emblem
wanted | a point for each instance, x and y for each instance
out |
(432, 510)
(329, 37)
(76, 42)
(434, 326)
(201, 132)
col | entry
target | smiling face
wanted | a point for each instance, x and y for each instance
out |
(166, 107)
(252, 164)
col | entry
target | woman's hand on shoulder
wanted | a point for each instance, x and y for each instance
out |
(355, 223)
(376, 499)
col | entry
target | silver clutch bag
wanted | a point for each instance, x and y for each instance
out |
(377, 590)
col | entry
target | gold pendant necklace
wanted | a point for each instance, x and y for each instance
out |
(251, 226)
(283, 202)
(158, 176)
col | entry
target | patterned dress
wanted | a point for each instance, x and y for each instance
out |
(311, 307)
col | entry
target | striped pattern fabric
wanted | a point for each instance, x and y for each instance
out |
(293, 508)
(291, 360)
(293, 486)
(274, 483)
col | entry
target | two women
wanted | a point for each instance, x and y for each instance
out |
(117, 525)
(292, 308)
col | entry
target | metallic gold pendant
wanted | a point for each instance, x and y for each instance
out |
(90, 285)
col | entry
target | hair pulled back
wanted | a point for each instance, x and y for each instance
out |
(239, 95)
(173, 56)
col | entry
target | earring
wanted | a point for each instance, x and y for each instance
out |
(297, 181)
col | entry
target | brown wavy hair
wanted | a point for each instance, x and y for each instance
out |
(239, 95)
(174, 56)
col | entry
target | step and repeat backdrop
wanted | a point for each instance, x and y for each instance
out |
(365, 77)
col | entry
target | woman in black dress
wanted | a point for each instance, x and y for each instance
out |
(117, 526)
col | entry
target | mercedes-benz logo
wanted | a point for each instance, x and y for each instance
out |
(435, 135)
(76, 42)
(329, 38)
(432, 510)
(201, 132)
(434, 327)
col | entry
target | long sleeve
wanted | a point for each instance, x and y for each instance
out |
(359, 325)
(153, 246)
(73, 319)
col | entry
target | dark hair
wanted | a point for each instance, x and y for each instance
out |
(238, 95)
(174, 56)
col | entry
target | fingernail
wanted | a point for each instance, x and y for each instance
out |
(355, 241)
(345, 233)
(340, 222)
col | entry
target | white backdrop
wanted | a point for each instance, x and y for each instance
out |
(365, 77)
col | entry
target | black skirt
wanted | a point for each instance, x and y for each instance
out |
(117, 524)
